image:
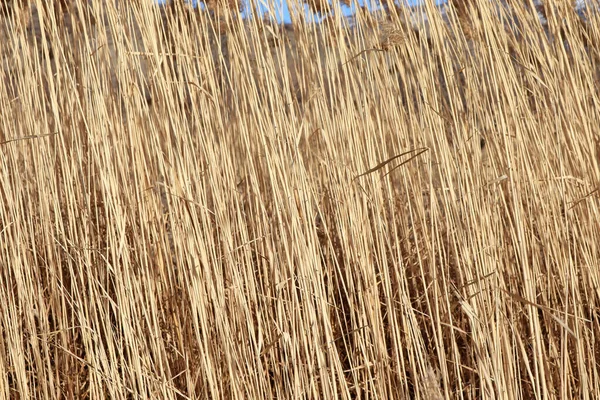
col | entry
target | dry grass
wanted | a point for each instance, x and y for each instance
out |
(216, 208)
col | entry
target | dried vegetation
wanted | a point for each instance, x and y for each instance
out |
(198, 206)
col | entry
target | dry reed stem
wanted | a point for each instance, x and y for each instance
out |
(214, 242)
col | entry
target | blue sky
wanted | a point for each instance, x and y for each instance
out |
(281, 11)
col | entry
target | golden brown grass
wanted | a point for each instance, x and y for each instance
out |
(216, 208)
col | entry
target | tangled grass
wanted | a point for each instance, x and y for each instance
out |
(198, 206)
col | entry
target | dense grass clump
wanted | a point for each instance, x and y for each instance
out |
(193, 205)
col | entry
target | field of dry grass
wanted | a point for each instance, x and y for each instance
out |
(215, 208)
